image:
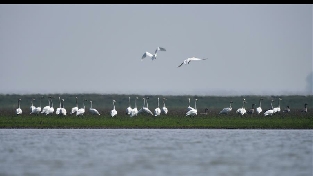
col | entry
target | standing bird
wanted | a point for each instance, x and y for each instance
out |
(32, 107)
(193, 111)
(259, 109)
(187, 61)
(81, 111)
(134, 111)
(75, 109)
(242, 110)
(287, 109)
(189, 107)
(251, 111)
(153, 56)
(113, 111)
(46, 108)
(157, 111)
(129, 109)
(93, 110)
(270, 111)
(19, 110)
(57, 111)
(51, 109)
(277, 109)
(205, 111)
(164, 108)
(63, 110)
(146, 109)
(227, 109)
(38, 109)
(305, 108)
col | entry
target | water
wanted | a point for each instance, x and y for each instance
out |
(156, 152)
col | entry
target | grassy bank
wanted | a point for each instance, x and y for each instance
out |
(143, 121)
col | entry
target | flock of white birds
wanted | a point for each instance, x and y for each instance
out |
(134, 112)
(191, 111)
(154, 56)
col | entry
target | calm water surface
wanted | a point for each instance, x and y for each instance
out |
(156, 152)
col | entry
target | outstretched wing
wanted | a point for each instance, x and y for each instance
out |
(161, 49)
(194, 58)
(146, 54)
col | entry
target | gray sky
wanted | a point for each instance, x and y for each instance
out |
(251, 49)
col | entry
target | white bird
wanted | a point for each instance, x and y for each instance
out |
(38, 109)
(153, 56)
(93, 110)
(146, 109)
(259, 109)
(129, 109)
(57, 111)
(270, 111)
(51, 109)
(187, 61)
(277, 109)
(134, 111)
(75, 109)
(193, 111)
(81, 111)
(164, 108)
(46, 108)
(32, 107)
(19, 110)
(157, 111)
(189, 107)
(113, 111)
(63, 110)
(242, 110)
(227, 109)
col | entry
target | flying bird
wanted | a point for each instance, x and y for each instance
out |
(153, 56)
(187, 61)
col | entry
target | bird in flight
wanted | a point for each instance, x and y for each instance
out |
(153, 56)
(187, 61)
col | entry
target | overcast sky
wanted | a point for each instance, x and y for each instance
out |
(251, 49)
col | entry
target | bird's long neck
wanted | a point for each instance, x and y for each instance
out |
(230, 105)
(18, 103)
(60, 102)
(272, 105)
(136, 103)
(128, 101)
(163, 103)
(189, 101)
(279, 103)
(158, 102)
(90, 104)
(76, 103)
(260, 103)
(195, 104)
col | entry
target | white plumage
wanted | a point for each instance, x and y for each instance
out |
(134, 111)
(187, 61)
(242, 110)
(259, 109)
(157, 111)
(153, 56)
(270, 111)
(193, 111)
(19, 110)
(128, 109)
(227, 109)
(93, 110)
(75, 109)
(113, 111)
(164, 108)
(81, 111)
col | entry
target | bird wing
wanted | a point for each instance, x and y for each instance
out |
(161, 49)
(194, 58)
(146, 54)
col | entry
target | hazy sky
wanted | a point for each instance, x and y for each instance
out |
(251, 49)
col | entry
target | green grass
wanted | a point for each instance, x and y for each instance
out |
(163, 121)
